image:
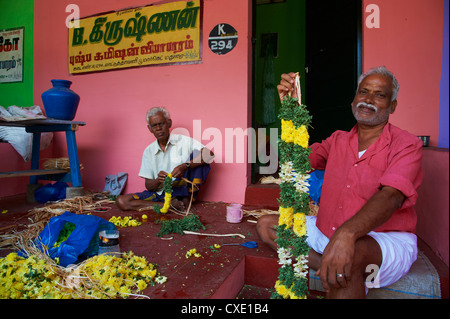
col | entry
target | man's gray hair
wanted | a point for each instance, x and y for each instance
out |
(382, 70)
(155, 110)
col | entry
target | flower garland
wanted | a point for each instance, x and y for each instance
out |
(294, 200)
(167, 188)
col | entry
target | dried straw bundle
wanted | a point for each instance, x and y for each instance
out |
(259, 212)
(58, 163)
(77, 205)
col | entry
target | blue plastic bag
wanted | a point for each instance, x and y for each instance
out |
(51, 192)
(82, 243)
(315, 185)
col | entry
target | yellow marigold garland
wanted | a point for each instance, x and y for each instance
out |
(167, 187)
(294, 201)
(291, 134)
(299, 224)
(286, 216)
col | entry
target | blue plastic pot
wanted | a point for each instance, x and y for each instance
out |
(60, 102)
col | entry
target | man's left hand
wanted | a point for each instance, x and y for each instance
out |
(337, 261)
(178, 172)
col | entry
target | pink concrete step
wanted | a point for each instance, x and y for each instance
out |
(262, 195)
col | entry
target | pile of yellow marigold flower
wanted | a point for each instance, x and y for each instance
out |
(28, 278)
(101, 276)
(126, 221)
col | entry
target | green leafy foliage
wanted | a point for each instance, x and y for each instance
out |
(64, 233)
(299, 156)
(291, 111)
(157, 209)
(178, 226)
(289, 197)
(167, 185)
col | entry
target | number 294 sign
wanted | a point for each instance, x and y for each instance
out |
(222, 39)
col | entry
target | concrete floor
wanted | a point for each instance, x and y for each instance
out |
(219, 273)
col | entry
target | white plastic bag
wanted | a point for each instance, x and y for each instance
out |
(17, 136)
(22, 141)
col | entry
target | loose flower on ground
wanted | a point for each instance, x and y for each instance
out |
(192, 252)
(126, 221)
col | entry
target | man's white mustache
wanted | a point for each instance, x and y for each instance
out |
(373, 107)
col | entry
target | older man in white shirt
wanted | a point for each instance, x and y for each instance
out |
(179, 155)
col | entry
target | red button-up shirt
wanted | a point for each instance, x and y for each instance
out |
(349, 181)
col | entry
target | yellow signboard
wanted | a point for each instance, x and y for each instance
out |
(168, 33)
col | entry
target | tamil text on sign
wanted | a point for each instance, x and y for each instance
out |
(157, 34)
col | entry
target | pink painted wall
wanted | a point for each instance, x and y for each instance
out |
(114, 104)
(432, 205)
(409, 43)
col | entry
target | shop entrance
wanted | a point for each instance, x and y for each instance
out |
(322, 41)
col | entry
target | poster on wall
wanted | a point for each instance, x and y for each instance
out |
(11, 55)
(164, 34)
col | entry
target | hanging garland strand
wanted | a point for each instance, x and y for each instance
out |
(167, 188)
(294, 199)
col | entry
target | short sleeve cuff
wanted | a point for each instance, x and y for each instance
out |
(403, 185)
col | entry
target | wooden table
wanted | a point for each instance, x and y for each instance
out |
(36, 127)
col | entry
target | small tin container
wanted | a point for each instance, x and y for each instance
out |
(425, 140)
(109, 242)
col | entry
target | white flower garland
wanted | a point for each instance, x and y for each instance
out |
(288, 174)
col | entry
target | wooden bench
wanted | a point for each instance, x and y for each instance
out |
(34, 172)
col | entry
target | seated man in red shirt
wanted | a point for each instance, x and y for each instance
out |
(366, 217)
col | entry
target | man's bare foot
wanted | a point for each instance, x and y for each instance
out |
(179, 204)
